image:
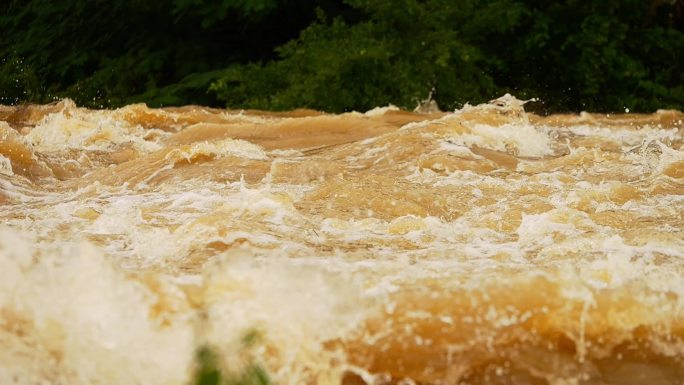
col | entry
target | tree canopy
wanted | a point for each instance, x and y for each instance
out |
(598, 55)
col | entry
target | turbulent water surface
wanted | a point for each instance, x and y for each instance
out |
(483, 246)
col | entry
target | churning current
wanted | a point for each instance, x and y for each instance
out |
(481, 246)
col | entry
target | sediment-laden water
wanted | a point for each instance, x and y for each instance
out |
(483, 246)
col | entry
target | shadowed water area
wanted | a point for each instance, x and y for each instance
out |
(481, 246)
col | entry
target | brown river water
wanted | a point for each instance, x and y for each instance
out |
(481, 246)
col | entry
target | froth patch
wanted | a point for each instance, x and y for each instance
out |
(19, 155)
(94, 131)
(77, 319)
(296, 310)
(215, 150)
(5, 166)
(516, 139)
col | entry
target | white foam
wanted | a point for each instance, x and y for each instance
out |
(219, 149)
(5, 166)
(379, 111)
(523, 139)
(95, 130)
(86, 312)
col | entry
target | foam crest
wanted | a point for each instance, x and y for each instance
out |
(217, 149)
(89, 130)
(5, 166)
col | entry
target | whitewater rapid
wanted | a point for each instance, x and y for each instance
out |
(480, 246)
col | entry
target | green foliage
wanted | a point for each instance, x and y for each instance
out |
(395, 53)
(338, 55)
(595, 55)
(190, 89)
(209, 371)
(17, 81)
(212, 12)
(109, 53)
